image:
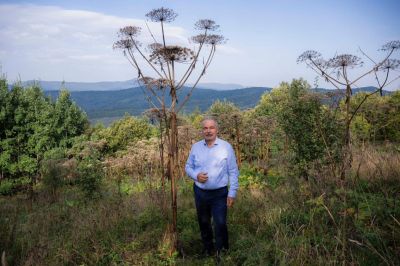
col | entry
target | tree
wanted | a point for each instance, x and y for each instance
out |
(31, 125)
(381, 114)
(229, 120)
(68, 119)
(341, 65)
(163, 60)
(126, 130)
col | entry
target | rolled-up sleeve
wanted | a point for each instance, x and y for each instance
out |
(233, 173)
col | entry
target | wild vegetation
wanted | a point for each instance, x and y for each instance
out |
(97, 197)
(319, 172)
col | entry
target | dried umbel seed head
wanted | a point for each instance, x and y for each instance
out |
(172, 54)
(206, 24)
(124, 44)
(129, 31)
(320, 62)
(146, 80)
(153, 113)
(308, 55)
(201, 38)
(154, 47)
(155, 83)
(215, 39)
(390, 64)
(212, 39)
(161, 83)
(161, 15)
(344, 60)
(393, 45)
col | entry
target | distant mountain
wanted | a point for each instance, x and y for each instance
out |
(113, 85)
(368, 89)
(219, 86)
(106, 104)
(84, 86)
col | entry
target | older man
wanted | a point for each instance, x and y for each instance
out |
(212, 166)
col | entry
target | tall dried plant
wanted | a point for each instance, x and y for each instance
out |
(336, 71)
(162, 80)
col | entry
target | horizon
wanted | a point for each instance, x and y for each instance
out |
(72, 40)
(199, 86)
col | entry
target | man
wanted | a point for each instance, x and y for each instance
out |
(212, 165)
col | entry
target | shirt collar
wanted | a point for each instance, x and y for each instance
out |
(216, 142)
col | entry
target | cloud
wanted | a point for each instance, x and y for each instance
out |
(229, 50)
(40, 41)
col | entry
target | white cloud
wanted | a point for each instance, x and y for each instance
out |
(229, 50)
(49, 42)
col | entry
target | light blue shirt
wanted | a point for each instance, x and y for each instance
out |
(218, 161)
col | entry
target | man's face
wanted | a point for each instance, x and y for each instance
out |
(210, 130)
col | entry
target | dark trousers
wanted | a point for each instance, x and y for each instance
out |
(212, 203)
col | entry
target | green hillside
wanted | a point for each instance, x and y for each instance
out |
(106, 104)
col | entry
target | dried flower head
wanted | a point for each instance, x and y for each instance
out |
(172, 53)
(201, 38)
(212, 39)
(129, 31)
(390, 64)
(154, 47)
(308, 55)
(146, 80)
(320, 62)
(206, 24)
(162, 15)
(153, 114)
(393, 45)
(154, 83)
(344, 60)
(161, 83)
(215, 39)
(124, 44)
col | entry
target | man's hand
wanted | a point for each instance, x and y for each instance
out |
(202, 177)
(230, 201)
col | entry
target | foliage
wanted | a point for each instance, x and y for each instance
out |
(90, 176)
(302, 120)
(52, 176)
(11, 186)
(251, 177)
(125, 131)
(69, 120)
(380, 115)
(360, 128)
(283, 225)
(228, 116)
(276, 219)
(32, 124)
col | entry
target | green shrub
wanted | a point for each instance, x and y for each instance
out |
(11, 186)
(91, 175)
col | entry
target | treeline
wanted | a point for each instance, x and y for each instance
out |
(32, 127)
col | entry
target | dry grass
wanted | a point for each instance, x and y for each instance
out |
(376, 162)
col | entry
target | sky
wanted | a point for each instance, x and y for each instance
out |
(72, 40)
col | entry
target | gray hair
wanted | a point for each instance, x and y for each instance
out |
(209, 118)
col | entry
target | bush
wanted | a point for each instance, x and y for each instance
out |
(53, 174)
(11, 186)
(90, 171)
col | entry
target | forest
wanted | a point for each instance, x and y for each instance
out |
(72, 193)
(319, 170)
